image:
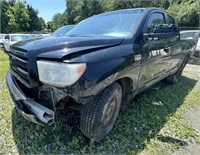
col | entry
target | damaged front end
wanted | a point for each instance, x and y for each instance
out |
(43, 79)
(29, 108)
(39, 105)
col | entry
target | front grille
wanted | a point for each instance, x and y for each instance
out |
(19, 65)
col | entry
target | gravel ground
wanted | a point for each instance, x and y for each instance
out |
(192, 116)
(189, 116)
(194, 68)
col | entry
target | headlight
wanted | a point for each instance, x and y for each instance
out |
(59, 74)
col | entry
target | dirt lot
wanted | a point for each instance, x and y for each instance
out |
(164, 120)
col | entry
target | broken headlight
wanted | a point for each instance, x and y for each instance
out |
(59, 74)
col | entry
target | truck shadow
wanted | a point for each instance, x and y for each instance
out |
(132, 132)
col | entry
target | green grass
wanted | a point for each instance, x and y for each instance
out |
(151, 126)
(3, 57)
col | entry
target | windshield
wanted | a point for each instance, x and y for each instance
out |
(115, 24)
(62, 30)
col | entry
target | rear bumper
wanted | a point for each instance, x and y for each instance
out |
(28, 108)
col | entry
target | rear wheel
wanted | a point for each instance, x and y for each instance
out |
(98, 116)
(174, 78)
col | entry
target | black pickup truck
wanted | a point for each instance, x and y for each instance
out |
(97, 67)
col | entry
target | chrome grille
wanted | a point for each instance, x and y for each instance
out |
(19, 65)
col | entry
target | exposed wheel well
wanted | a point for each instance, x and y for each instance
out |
(127, 86)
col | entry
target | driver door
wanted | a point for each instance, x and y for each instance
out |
(154, 53)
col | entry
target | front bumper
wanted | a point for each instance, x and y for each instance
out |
(28, 108)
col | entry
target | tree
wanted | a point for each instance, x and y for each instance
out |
(21, 15)
(36, 23)
(64, 17)
(185, 12)
(33, 20)
(13, 26)
(58, 20)
(41, 24)
(51, 26)
(16, 16)
(74, 11)
(79, 10)
(4, 5)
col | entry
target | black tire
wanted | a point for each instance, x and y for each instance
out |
(98, 116)
(174, 78)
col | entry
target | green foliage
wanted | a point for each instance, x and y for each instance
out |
(19, 17)
(41, 24)
(185, 11)
(51, 26)
(16, 16)
(4, 5)
(58, 20)
(79, 10)
(36, 23)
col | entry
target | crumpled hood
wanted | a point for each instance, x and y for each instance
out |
(58, 47)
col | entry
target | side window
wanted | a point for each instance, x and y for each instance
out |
(154, 19)
(170, 20)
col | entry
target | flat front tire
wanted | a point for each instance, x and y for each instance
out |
(98, 116)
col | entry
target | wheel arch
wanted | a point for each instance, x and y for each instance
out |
(127, 87)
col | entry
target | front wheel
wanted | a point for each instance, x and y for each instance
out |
(98, 116)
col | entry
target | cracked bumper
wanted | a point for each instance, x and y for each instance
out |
(28, 108)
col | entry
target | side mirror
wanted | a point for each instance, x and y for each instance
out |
(166, 28)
